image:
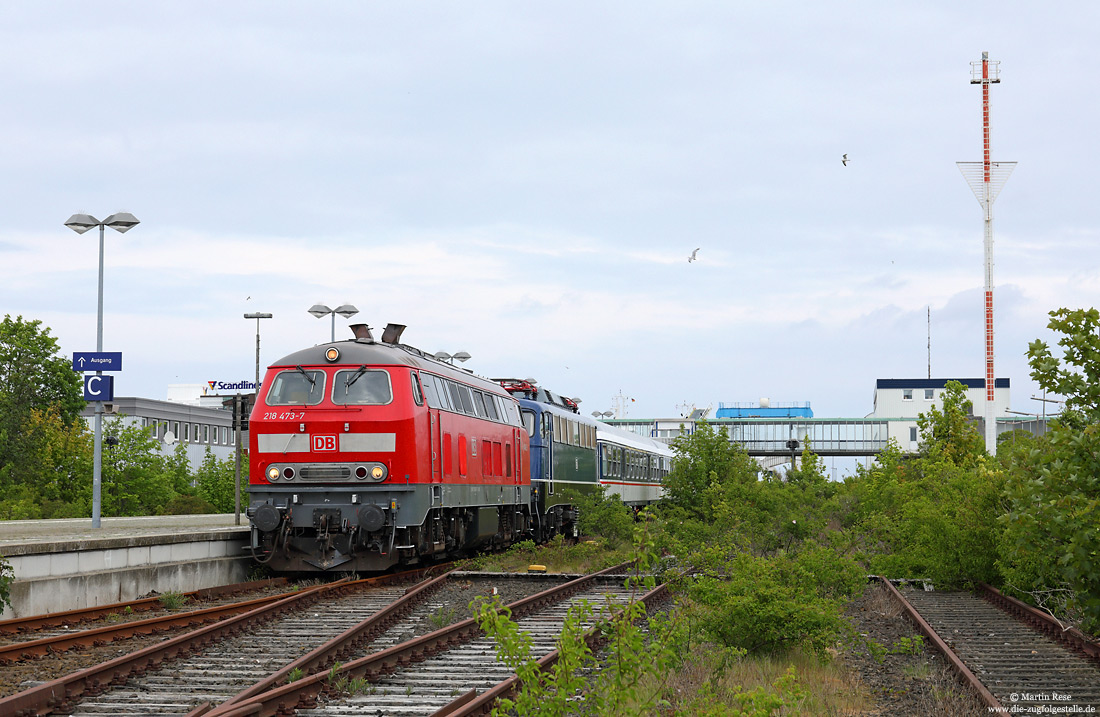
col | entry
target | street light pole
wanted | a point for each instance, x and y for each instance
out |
(121, 222)
(258, 316)
(345, 310)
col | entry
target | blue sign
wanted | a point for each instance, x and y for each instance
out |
(99, 388)
(97, 361)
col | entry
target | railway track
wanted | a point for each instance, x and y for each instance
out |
(241, 657)
(45, 641)
(66, 694)
(1017, 658)
(452, 671)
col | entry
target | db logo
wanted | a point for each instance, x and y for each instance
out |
(324, 443)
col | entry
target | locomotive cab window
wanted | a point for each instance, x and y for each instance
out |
(297, 387)
(362, 387)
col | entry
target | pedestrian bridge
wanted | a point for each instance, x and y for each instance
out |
(841, 437)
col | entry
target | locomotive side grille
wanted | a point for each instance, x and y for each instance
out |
(325, 473)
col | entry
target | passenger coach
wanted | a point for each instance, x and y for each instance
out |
(571, 453)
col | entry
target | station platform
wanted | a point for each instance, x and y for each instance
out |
(66, 564)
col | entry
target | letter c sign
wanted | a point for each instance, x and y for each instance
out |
(99, 388)
(323, 443)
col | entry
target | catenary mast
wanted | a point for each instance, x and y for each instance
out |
(986, 178)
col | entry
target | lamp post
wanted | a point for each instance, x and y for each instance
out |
(121, 222)
(257, 316)
(345, 310)
(461, 356)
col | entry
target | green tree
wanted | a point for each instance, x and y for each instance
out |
(60, 455)
(217, 482)
(1050, 547)
(134, 478)
(705, 460)
(1077, 375)
(33, 377)
(948, 432)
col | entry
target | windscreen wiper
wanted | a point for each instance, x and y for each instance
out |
(355, 376)
(312, 381)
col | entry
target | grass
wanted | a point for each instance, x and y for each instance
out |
(173, 599)
(557, 556)
(703, 687)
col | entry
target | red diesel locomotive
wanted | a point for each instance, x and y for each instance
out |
(365, 454)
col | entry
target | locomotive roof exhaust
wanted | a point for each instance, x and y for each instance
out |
(361, 331)
(392, 333)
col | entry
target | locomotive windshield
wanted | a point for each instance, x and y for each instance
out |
(362, 387)
(297, 387)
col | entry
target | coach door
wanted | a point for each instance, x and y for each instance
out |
(431, 396)
(548, 450)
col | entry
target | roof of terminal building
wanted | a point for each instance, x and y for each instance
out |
(937, 382)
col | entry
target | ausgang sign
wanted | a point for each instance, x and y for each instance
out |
(97, 361)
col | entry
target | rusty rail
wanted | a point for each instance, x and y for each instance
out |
(53, 619)
(1071, 637)
(933, 637)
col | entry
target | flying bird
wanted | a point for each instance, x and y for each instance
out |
(692, 257)
(844, 160)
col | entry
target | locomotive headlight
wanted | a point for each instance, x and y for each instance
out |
(272, 473)
(378, 473)
(332, 354)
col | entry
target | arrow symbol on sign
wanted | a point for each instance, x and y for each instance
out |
(81, 362)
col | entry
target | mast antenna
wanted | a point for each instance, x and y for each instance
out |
(986, 179)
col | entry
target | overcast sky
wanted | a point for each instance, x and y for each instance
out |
(525, 182)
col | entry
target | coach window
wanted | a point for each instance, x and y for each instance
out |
(442, 393)
(186, 432)
(429, 390)
(491, 406)
(362, 387)
(479, 404)
(467, 400)
(225, 435)
(440, 390)
(297, 387)
(928, 393)
(195, 432)
(907, 394)
(456, 400)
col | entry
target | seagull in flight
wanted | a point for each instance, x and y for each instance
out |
(844, 160)
(693, 257)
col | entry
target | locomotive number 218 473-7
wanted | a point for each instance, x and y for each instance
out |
(284, 415)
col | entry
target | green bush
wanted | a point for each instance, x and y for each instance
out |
(7, 576)
(777, 603)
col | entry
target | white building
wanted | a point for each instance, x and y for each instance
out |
(196, 426)
(903, 399)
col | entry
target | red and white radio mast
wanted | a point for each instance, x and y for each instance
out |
(986, 178)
